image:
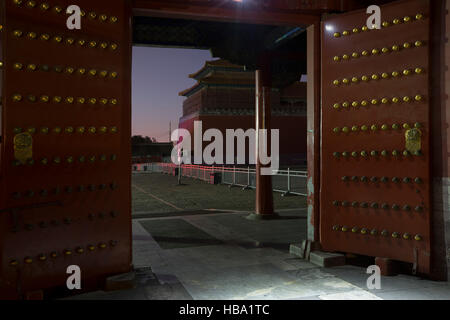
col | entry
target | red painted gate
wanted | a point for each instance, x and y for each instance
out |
(65, 150)
(375, 162)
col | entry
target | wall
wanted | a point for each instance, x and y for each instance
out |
(193, 103)
(234, 108)
(292, 132)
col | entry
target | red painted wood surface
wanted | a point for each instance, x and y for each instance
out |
(81, 205)
(337, 195)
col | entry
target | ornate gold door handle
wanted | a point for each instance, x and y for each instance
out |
(23, 147)
(413, 140)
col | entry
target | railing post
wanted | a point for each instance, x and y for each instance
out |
(248, 179)
(289, 181)
(288, 192)
(234, 175)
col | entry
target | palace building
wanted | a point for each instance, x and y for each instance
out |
(224, 98)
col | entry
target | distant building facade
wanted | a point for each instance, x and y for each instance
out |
(224, 98)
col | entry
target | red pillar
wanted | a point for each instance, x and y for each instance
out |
(264, 196)
(313, 132)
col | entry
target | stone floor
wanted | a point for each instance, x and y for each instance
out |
(224, 256)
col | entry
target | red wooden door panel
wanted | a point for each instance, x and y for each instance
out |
(375, 162)
(65, 194)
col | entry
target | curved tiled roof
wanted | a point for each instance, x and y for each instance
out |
(215, 73)
(214, 65)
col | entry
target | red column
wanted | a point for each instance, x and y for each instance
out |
(264, 196)
(313, 131)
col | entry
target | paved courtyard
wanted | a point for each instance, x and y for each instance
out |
(192, 253)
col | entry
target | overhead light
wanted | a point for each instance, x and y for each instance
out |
(329, 27)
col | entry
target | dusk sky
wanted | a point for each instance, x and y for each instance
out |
(159, 74)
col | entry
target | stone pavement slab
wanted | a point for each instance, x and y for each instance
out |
(249, 261)
(405, 283)
(351, 295)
